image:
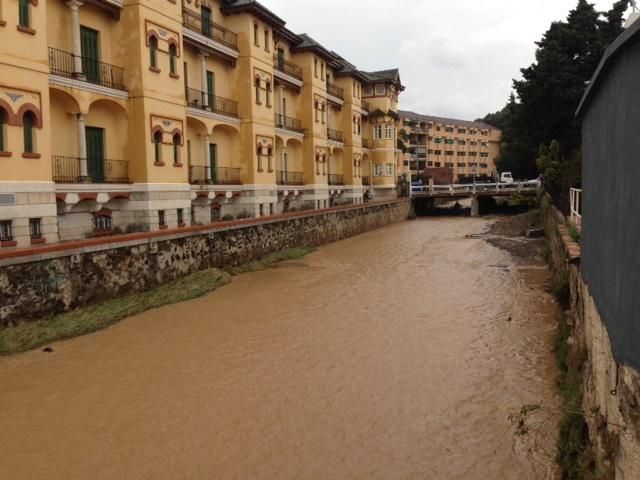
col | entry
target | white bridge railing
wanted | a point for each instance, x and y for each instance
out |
(576, 206)
(472, 189)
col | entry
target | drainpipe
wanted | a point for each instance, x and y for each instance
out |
(74, 6)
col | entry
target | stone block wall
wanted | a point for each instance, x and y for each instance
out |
(75, 275)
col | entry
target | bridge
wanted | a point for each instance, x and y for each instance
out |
(476, 192)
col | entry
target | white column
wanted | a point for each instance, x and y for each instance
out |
(205, 87)
(74, 6)
(82, 148)
(207, 157)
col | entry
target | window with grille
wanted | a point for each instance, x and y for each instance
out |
(161, 218)
(35, 229)
(215, 214)
(180, 216)
(102, 223)
(6, 232)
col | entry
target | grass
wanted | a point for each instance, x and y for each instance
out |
(31, 335)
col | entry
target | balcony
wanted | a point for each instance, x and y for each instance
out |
(365, 105)
(335, 135)
(365, 143)
(287, 67)
(61, 63)
(289, 178)
(200, 175)
(210, 30)
(211, 103)
(67, 170)
(334, 90)
(288, 123)
(335, 179)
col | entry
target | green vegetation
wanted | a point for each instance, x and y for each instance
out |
(270, 260)
(574, 233)
(82, 321)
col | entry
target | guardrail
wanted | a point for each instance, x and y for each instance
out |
(207, 101)
(287, 67)
(62, 63)
(472, 189)
(209, 29)
(576, 206)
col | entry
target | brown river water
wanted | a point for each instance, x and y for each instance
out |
(385, 356)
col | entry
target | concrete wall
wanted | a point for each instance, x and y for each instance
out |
(41, 285)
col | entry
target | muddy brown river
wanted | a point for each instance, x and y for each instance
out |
(386, 356)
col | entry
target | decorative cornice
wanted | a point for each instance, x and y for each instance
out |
(196, 112)
(89, 87)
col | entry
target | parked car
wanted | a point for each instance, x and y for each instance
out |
(506, 177)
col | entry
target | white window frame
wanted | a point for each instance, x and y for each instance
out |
(389, 169)
(378, 170)
(377, 132)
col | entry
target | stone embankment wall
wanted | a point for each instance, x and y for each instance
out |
(60, 278)
(611, 391)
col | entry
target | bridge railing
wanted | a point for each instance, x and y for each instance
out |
(474, 188)
(576, 206)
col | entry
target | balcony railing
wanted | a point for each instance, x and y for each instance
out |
(93, 71)
(288, 123)
(200, 175)
(335, 135)
(211, 103)
(287, 67)
(196, 23)
(366, 181)
(67, 170)
(289, 178)
(336, 91)
(365, 142)
(336, 179)
(365, 105)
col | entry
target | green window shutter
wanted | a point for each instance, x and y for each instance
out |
(23, 13)
(172, 59)
(205, 13)
(28, 132)
(153, 51)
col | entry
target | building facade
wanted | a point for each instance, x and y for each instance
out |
(120, 116)
(449, 150)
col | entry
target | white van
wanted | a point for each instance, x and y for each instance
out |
(506, 177)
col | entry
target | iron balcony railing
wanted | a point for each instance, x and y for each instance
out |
(365, 142)
(289, 178)
(366, 181)
(287, 67)
(211, 103)
(200, 175)
(93, 71)
(335, 135)
(335, 179)
(67, 170)
(209, 29)
(336, 91)
(365, 105)
(288, 123)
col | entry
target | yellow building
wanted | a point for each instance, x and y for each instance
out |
(459, 148)
(121, 116)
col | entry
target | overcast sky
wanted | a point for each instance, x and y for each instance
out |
(457, 58)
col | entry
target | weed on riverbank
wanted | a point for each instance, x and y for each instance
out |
(31, 335)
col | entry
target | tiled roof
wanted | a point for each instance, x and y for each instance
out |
(443, 120)
(231, 6)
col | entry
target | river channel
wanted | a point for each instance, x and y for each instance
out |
(398, 354)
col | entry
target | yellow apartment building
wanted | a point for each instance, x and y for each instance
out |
(460, 148)
(120, 116)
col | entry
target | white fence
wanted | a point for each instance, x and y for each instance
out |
(576, 206)
(457, 189)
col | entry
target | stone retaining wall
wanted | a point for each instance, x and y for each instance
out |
(611, 391)
(63, 277)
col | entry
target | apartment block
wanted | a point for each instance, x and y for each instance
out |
(119, 116)
(450, 150)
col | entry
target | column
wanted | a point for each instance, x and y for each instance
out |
(207, 158)
(205, 86)
(74, 6)
(82, 148)
(281, 106)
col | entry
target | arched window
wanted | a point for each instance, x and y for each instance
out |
(257, 90)
(29, 121)
(153, 51)
(3, 122)
(176, 149)
(157, 144)
(268, 94)
(23, 13)
(173, 55)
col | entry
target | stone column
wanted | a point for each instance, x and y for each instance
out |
(74, 6)
(205, 87)
(82, 149)
(207, 158)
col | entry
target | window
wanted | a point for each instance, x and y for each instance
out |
(322, 70)
(161, 219)
(3, 121)
(153, 52)
(462, 165)
(448, 165)
(438, 152)
(268, 94)
(378, 170)
(315, 67)
(23, 13)
(461, 142)
(267, 45)
(215, 213)
(102, 223)
(28, 123)
(35, 230)
(176, 149)
(368, 91)
(6, 232)
(380, 90)
(389, 169)
(256, 40)
(173, 55)
(437, 164)
(180, 217)
(258, 91)
(388, 131)
(205, 13)
(157, 144)
(377, 132)
(449, 153)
